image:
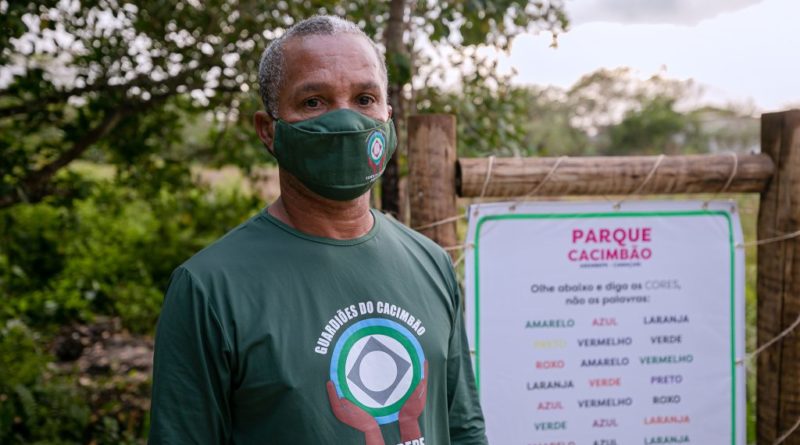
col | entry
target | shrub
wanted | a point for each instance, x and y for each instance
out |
(34, 408)
(110, 253)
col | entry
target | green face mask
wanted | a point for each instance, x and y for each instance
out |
(338, 155)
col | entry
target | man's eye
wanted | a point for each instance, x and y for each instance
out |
(366, 100)
(312, 103)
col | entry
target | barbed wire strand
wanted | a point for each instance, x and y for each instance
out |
(440, 222)
(539, 186)
(790, 329)
(466, 245)
(788, 433)
(650, 175)
(457, 247)
(450, 219)
(460, 258)
(761, 242)
(766, 345)
(644, 183)
(774, 239)
(530, 193)
(734, 171)
(553, 170)
(487, 180)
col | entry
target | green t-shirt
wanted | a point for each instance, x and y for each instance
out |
(272, 336)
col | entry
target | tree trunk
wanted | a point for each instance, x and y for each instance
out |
(38, 184)
(390, 194)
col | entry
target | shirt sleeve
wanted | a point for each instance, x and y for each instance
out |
(466, 417)
(191, 369)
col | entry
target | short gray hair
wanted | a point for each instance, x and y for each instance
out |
(272, 66)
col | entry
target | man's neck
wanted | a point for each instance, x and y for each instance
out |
(309, 213)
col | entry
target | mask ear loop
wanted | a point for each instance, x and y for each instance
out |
(274, 124)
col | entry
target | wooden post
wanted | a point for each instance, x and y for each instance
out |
(778, 389)
(432, 175)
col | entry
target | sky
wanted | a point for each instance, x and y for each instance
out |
(739, 51)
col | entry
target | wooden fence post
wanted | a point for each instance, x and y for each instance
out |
(778, 388)
(432, 175)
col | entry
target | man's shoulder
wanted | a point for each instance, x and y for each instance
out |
(400, 230)
(411, 239)
(239, 246)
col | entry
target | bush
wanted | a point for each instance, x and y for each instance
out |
(110, 253)
(34, 408)
(105, 252)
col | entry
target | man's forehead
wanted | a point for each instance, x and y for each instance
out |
(316, 63)
(320, 47)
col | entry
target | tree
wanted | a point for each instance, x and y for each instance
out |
(499, 118)
(459, 25)
(122, 79)
(114, 77)
(605, 112)
(656, 128)
(626, 115)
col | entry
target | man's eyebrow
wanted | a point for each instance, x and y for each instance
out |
(370, 85)
(311, 87)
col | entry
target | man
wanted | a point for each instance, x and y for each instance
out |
(317, 321)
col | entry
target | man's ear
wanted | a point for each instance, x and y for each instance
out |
(265, 128)
(390, 111)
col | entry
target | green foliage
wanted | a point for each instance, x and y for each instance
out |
(490, 116)
(40, 406)
(29, 399)
(508, 120)
(145, 88)
(142, 75)
(657, 128)
(488, 22)
(169, 83)
(608, 112)
(21, 361)
(109, 253)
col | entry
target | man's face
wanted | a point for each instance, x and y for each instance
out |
(327, 73)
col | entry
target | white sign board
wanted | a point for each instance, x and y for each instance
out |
(597, 325)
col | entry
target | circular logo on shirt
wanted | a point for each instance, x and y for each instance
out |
(376, 145)
(377, 364)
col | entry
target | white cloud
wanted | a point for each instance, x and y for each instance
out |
(651, 11)
(749, 54)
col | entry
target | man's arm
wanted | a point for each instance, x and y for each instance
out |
(191, 370)
(466, 418)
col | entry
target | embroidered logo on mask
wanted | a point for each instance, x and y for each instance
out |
(376, 146)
